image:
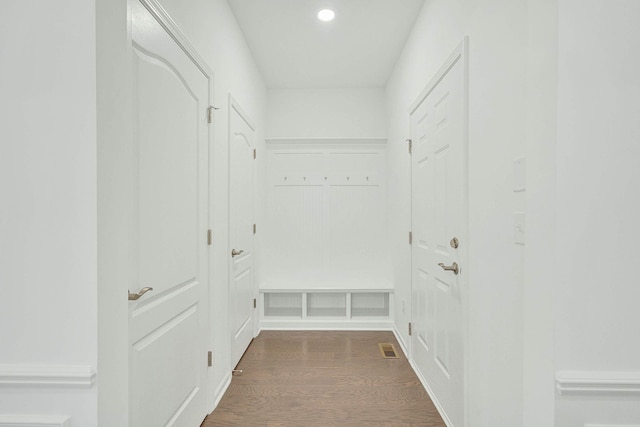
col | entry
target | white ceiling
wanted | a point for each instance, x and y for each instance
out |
(293, 49)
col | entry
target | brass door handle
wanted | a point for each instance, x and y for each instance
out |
(133, 297)
(234, 253)
(453, 267)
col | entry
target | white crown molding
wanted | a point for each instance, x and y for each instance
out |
(34, 421)
(43, 375)
(596, 382)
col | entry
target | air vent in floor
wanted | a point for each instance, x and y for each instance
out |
(388, 351)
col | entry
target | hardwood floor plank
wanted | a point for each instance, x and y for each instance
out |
(318, 379)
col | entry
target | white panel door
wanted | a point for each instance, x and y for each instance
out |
(437, 133)
(242, 135)
(168, 325)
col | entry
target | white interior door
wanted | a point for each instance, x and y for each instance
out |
(438, 216)
(168, 325)
(242, 135)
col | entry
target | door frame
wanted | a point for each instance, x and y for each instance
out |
(459, 55)
(233, 104)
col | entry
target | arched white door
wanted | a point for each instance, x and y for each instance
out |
(168, 325)
(242, 313)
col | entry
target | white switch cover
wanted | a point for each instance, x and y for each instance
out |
(518, 228)
(519, 174)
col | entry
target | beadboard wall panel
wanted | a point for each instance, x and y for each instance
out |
(325, 214)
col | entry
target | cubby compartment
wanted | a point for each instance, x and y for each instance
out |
(289, 307)
(327, 304)
(283, 304)
(370, 304)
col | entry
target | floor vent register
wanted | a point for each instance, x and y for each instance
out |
(388, 351)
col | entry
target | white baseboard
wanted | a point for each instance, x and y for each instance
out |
(433, 397)
(400, 339)
(221, 390)
(34, 421)
(47, 375)
(597, 383)
(423, 381)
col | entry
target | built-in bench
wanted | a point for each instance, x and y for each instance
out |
(366, 305)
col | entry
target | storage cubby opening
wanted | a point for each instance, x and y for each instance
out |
(370, 304)
(326, 305)
(279, 304)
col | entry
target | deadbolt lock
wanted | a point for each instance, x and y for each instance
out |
(454, 243)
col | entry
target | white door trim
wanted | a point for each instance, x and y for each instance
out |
(161, 15)
(460, 54)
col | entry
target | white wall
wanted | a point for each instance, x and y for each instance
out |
(497, 31)
(326, 113)
(48, 270)
(540, 254)
(116, 171)
(597, 234)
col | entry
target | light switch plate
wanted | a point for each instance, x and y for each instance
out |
(519, 174)
(518, 228)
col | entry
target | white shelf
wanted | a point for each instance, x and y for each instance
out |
(326, 308)
(325, 304)
(349, 285)
(283, 305)
(369, 304)
(337, 142)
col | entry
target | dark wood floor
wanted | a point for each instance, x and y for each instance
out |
(313, 379)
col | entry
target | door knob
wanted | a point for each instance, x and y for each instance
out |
(453, 267)
(133, 297)
(234, 253)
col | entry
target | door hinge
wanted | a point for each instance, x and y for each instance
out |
(410, 329)
(254, 229)
(255, 303)
(410, 145)
(209, 237)
(410, 238)
(255, 155)
(210, 110)
(210, 358)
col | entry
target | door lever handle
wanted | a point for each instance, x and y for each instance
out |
(453, 267)
(234, 253)
(134, 297)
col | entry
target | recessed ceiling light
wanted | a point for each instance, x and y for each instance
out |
(326, 15)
